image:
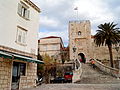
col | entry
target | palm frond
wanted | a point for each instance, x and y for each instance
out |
(107, 34)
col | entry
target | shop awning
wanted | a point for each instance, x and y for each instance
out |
(5, 55)
(19, 57)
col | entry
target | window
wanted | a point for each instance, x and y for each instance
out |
(23, 10)
(21, 35)
(22, 69)
(55, 47)
(79, 32)
(19, 69)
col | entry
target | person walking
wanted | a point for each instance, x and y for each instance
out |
(93, 63)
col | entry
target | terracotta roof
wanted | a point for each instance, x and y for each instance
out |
(50, 37)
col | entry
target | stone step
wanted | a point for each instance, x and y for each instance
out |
(93, 76)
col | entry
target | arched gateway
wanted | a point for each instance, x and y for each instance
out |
(81, 57)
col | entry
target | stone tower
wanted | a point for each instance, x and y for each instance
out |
(80, 38)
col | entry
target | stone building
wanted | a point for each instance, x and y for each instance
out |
(19, 22)
(65, 54)
(80, 38)
(51, 46)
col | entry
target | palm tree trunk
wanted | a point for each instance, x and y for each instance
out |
(111, 56)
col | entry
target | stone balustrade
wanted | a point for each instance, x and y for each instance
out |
(112, 71)
(77, 72)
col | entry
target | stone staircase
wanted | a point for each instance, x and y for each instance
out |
(95, 76)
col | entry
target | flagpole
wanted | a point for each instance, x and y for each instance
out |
(76, 9)
(77, 14)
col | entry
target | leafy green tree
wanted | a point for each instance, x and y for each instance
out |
(48, 64)
(109, 35)
(47, 59)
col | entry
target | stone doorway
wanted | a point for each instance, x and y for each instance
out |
(15, 76)
(18, 70)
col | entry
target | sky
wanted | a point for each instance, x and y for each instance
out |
(56, 14)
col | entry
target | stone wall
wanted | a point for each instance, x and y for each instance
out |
(102, 52)
(5, 74)
(77, 73)
(29, 80)
(112, 71)
(26, 81)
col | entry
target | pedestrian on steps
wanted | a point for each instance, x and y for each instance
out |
(93, 63)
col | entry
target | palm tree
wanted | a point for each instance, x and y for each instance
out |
(109, 35)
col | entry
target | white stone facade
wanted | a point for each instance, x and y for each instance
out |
(10, 20)
(19, 26)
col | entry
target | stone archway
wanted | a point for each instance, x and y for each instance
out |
(82, 57)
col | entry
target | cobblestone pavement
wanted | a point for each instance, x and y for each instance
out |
(95, 76)
(77, 87)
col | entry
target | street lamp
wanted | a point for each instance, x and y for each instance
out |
(74, 50)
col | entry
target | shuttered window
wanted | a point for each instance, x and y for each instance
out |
(19, 9)
(21, 36)
(23, 11)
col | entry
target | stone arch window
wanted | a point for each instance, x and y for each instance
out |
(79, 32)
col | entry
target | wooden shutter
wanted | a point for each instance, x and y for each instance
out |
(19, 9)
(27, 14)
(19, 35)
(24, 37)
